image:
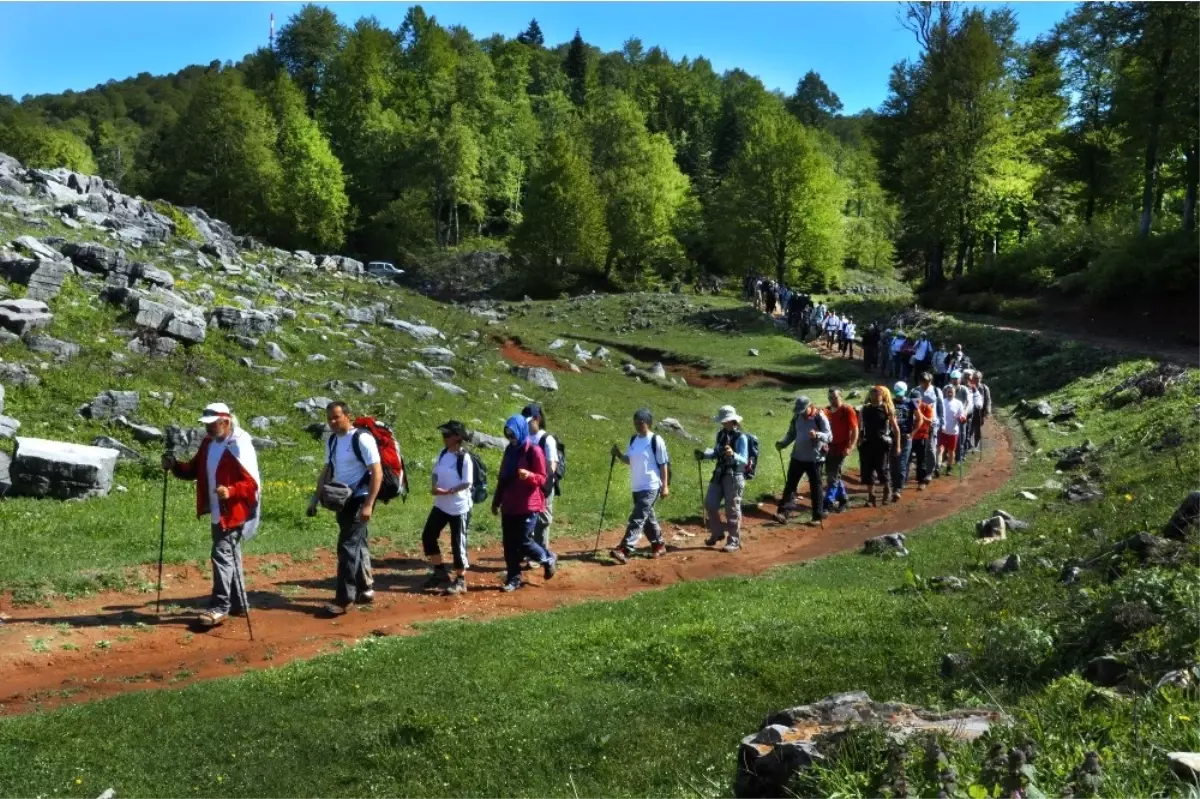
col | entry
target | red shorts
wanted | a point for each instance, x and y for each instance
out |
(948, 442)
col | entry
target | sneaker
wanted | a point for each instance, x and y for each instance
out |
(211, 618)
(550, 567)
(334, 609)
(438, 578)
(512, 585)
(365, 597)
(658, 550)
(713, 540)
(896, 497)
(526, 565)
(457, 586)
(780, 518)
(921, 486)
(619, 555)
(842, 505)
(732, 546)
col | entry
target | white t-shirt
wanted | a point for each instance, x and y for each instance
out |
(951, 410)
(446, 473)
(922, 349)
(215, 450)
(347, 468)
(644, 465)
(850, 330)
(549, 449)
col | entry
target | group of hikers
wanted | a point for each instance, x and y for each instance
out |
(932, 425)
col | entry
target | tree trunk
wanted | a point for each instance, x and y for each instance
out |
(989, 258)
(1151, 166)
(961, 255)
(936, 274)
(1192, 171)
(780, 262)
(971, 253)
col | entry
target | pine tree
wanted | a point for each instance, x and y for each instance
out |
(562, 235)
(313, 209)
(306, 46)
(579, 69)
(532, 36)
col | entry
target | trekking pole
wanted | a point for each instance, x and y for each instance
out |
(241, 586)
(700, 482)
(162, 544)
(612, 462)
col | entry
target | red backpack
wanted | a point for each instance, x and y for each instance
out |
(395, 476)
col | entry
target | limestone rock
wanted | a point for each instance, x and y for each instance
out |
(485, 441)
(437, 354)
(450, 388)
(419, 332)
(110, 404)
(540, 376)
(275, 352)
(8, 427)
(674, 426)
(889, 544)
(58, 470)
(59, 350)
(123, 452)
(93, 257)
(658, 371)
(24, 315)
(313, 405)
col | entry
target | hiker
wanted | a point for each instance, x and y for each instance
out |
(649, 478)
(545, 441)
(982, 398)
(453, 475)
(957, 361)
(229, 490)
(905, 422)
(924, 436)
(952, 415)
(870, 346)
(728, 481)
(940, 359)
(833, 324)
(963, 394)
(843, 427)
(931, 397)
(880, 438)
(519, 493)
(922, 355)
(810, 431)
(851, 331)
(349, 485)
(896, 366)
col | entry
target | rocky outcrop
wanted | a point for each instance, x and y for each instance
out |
(58, 470)
(24, 315)
(110, 404)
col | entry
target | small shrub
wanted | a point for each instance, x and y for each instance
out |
(1015, 649)
(1019, 308)
(184, 227)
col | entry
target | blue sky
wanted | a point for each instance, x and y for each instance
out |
(51, 47)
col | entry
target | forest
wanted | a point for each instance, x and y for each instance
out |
(995, 169)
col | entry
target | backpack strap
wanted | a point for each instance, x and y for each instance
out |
(354, 434)
(461, 455)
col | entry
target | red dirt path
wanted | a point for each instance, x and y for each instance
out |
(117, 644)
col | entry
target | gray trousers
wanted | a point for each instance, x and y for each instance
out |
(728, 486)
(226, 567)
(541, 531)
(354, 560)
(642, 519)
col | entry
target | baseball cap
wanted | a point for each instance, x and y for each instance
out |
(532, 410)
(214, 412)
(453, 428)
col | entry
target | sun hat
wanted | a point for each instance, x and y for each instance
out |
(453, 428)
(727, 413)
(802, 403)
(214, 412)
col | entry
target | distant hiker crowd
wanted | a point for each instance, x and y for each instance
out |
(930, 426)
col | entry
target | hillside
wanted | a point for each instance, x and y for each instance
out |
(1079, 629)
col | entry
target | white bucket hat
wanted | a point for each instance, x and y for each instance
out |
(727, 413)
(214, 412)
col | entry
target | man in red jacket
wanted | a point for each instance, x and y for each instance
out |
(228, 490)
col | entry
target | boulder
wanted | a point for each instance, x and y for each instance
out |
(1065, 413)
(16, 374)
(658, 371)
(485, 441)
(153, 344)
(59, 350)
(5, 472)
(8, 426)
(673, 426)
(24, 316)
(313, 404)
(1007, 565)
(1011, 522)
(419, 332)
(948, 583)
(437, 354)
(363, 387)
(557, 344)
(36, 249)
(110, 404)
(141, 432)
(889, 544)
(450, 388)
(1180, 524)
(421, 369)
(753, 353)
(602, 354)
(993, 529)
(123, 452)
(92, 257)
(244, 321)
(275, 352)
(58, 470)
(1185, 765)
(363, 316)
(186, 327)
(443, 372)
(42, 278)
(540, 376)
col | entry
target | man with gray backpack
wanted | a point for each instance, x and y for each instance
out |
(459, 481)
(811, 433)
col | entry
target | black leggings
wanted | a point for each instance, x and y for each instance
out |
(874, 465)
(436, 522)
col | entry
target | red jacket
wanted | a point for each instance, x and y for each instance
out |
(243, 490)
(516, 497)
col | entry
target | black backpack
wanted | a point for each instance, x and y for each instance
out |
(554, 481)
(479, 481)
(751, 453)
(654, 439)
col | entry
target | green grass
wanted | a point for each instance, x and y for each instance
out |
(647, 696)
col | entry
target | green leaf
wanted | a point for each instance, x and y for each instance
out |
(977, 791)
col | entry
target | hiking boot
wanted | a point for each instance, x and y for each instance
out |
(871, 499)
(550, 567)
(512, 585)
(658, 550)
(619, 555)
(895, 497)
(842, 505)
(457, 586)
(713, 540)
(334, 610)
(732, 546)
(365, 597)
(781, 518)
(438, 578)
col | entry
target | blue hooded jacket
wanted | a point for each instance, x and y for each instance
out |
(519, 426)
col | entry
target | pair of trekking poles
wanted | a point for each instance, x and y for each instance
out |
(162, 546)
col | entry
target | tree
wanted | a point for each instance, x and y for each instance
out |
(37, 144)
(562, 235)
(579, 70)
(532, 35)
(313, 209)
(220, 155)
(779, 207)
(814, 104)
(307, 44)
